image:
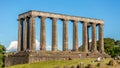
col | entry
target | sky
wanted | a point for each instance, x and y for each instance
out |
(107, 10)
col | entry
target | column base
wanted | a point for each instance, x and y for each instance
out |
(94, 51)
(102, 52)
(85, 51)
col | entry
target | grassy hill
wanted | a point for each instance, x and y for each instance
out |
(61, 63)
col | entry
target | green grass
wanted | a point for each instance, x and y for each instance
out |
(61, 63)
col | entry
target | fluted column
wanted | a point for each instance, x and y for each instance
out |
(94, 46)
(101, 38)
(54, 34)
(43, 34)
(20, 32)
(75, 35)
(65, 35)
(85, 37)
(25, 34)
(32, 34)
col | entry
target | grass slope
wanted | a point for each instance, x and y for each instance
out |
(54, 63)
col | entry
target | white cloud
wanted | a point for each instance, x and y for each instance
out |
(48, 47)
(13, 46)
(90, 40)
(37, 45)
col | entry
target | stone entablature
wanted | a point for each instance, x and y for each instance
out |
(59, 16)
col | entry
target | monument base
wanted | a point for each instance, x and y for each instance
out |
(32, 57)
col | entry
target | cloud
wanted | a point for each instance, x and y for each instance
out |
(37, 45)
(13, 46)
(48, 47)
(90, 40)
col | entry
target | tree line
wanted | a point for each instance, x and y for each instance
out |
(2, 52)
(111, 46)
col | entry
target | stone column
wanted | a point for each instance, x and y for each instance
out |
(89, 46)
(85, 37)
(28, 33)
(75, 35)
(54, 34)
(101, 38)
(32, 34)
(94, 46)
(65, 35)
(20, 26)
(43, 35)
(25, 34)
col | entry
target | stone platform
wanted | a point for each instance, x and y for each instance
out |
(31, 57)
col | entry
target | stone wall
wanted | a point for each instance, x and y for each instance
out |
(18, 58)
(32, 57)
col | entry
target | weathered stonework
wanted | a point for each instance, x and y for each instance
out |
(54, 34)
(65, 35)
(75, 35)
(32, 57)
(85, 37)
(43, 35)
(27, 38)
(29, 18)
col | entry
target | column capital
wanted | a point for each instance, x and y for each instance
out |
(64, 19)
(27, 18)
(20, 19)
(32, 16)
(42, 16)
(75, 21)
(85, 21)
(101, 24)
(94, 23)
(88, 24)
(54, 18)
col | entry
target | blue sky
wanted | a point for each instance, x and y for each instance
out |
(108, 10)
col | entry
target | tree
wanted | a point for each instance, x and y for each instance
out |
(2, 49)
(117, 43)
(111, 46)
(80, 48)
(2, 52)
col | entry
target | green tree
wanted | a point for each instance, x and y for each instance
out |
(2, 49)
(2, 52)
(80, 48)
(117, 43)
(111, 46)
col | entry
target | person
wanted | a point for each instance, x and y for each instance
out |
(80, 55)
(87, 55)
(99, 59)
